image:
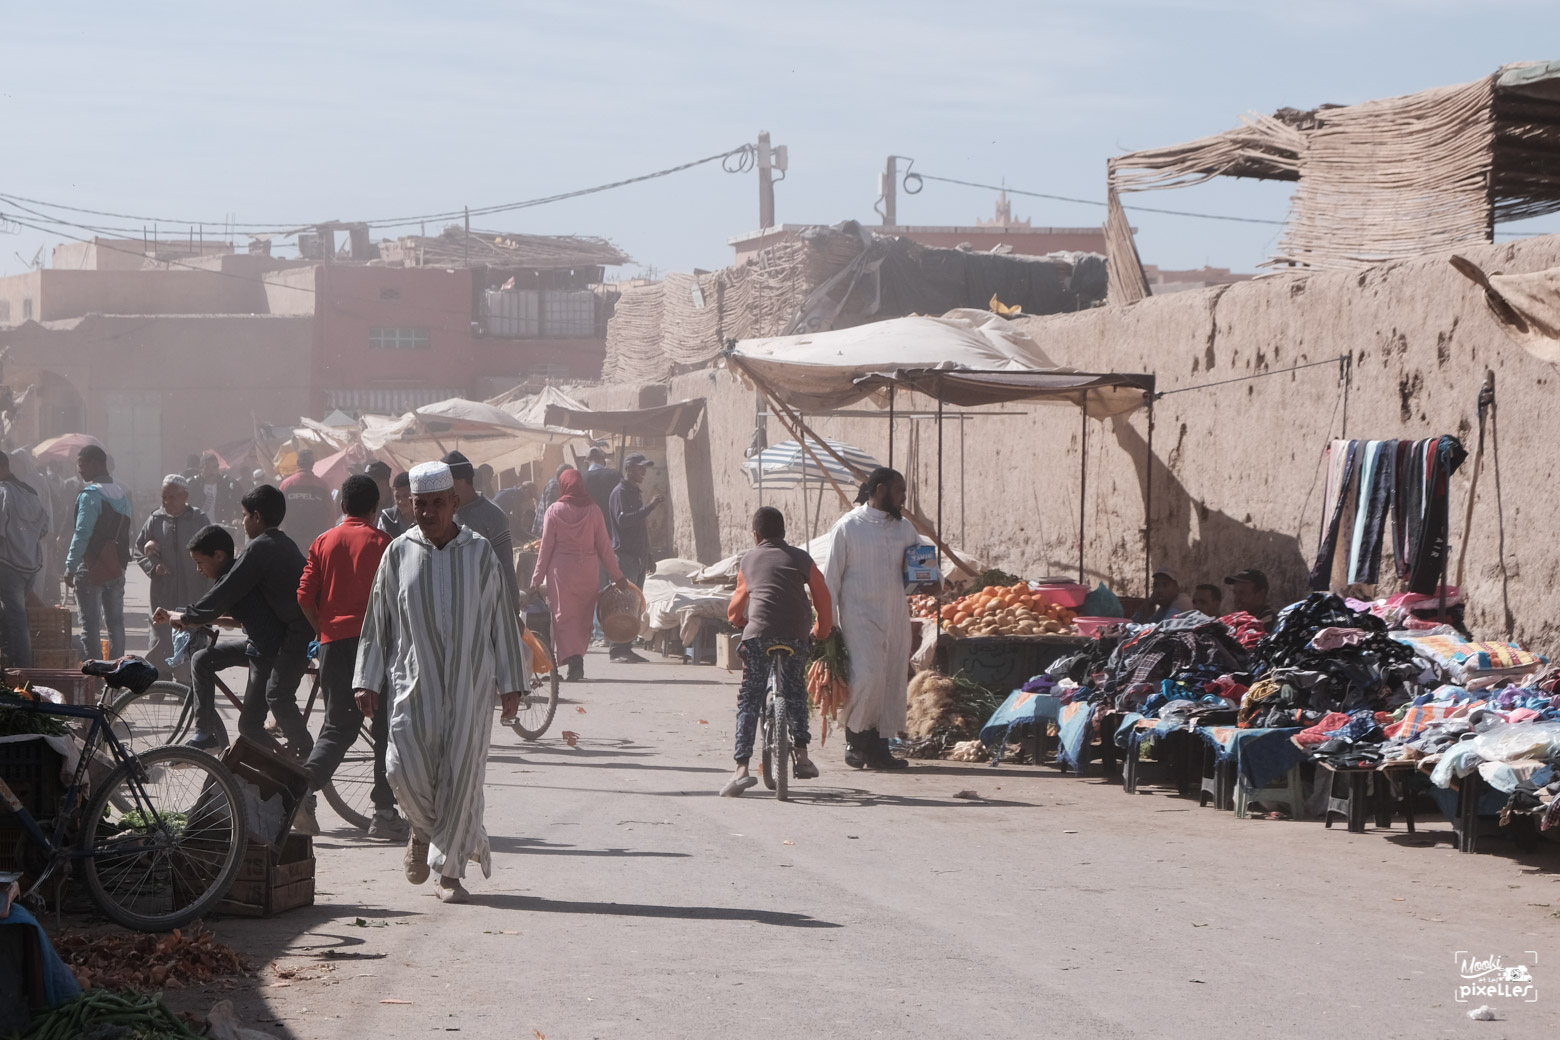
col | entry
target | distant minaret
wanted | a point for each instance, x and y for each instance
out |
(1004, 217)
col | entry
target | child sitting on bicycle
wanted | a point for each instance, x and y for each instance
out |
(770, 606)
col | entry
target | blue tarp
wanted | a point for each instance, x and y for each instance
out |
(1019, 709)
(1261, 755)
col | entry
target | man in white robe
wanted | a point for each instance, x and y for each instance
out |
(438, 642)
(865, 575)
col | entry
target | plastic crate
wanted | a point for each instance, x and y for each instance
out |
(56, 660)
(32, 769)
(50, 629)
(270, 881)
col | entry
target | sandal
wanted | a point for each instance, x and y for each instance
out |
(734, 788)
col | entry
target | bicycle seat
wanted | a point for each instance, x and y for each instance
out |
(128, 673)
(780, 648)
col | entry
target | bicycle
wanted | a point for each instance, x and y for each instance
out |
(158, 843)
(538, 706)
(164, 713)
(776, 756)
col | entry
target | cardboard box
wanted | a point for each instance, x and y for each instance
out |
(921, 565)
(726, 655)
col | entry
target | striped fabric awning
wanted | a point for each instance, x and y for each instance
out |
(786, 465)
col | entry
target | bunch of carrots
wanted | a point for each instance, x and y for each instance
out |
(828, 679)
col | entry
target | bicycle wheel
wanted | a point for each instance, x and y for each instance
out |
(538, 707)
(163, 713)
(766, 754)
(174, 853)
(351, 789)
(780, 727)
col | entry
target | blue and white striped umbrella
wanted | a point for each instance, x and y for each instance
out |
(786, 465)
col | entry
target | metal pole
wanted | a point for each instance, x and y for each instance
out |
(891, 426)
(937, 616)
(1346, 364)
(1148, 498)
(964, 531)
(1083, 476)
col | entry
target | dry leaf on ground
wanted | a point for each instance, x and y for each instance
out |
(570, 737)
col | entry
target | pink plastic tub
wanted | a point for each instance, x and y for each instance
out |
(1091, 626)
(1064, 594)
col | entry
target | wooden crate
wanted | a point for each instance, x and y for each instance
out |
(269, 883)
(270, 773)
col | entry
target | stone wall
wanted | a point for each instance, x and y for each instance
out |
(1237, 469)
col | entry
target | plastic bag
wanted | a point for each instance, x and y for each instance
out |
(1513, 740)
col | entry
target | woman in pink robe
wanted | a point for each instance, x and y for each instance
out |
(575, 549)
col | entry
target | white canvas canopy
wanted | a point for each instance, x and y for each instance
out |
(826, 370)
(484, 433)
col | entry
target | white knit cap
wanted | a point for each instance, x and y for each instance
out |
(428, 477)
(176, 480)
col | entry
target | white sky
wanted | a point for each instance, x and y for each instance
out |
(297, 112)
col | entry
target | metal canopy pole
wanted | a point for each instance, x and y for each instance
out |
(891, 426)
(938, 615)
(1083, 476)
(1148, 497)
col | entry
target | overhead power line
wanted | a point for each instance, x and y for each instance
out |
(735, 160)
(910, 176)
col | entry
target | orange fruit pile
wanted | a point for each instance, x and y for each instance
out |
(1006, 610)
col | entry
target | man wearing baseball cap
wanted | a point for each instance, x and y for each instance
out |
(627, 516)
(1165, 600)
(1249, 590)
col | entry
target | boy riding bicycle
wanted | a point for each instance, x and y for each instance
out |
(770, 606)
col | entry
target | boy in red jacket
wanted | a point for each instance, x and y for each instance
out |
(333, 594)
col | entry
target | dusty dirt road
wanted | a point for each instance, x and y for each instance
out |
(627, 900)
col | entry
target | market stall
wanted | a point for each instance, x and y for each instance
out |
(966, 359)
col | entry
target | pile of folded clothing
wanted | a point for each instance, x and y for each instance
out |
(1324, 656)
(1189, 646)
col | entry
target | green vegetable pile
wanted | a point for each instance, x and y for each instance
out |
(99, 1011)
(15, 721)
(976, 700)
(996, 576)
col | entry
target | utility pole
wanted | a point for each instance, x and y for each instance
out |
(887, 189)
(766, 187)
(467, 239)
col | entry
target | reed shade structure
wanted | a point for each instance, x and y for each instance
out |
(1378, 181)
